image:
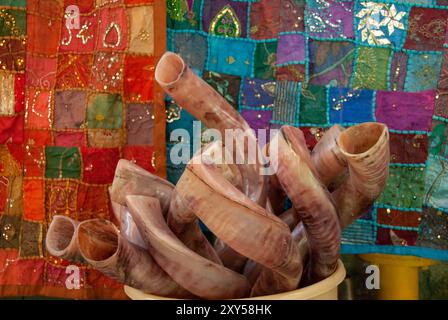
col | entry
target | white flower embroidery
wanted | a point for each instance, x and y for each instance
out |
(373, 16)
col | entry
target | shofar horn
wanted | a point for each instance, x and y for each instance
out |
(327, 158)
(240, 223)
(131, 179)
(102, 246)
(310, 199)
(365, 147)
(198, 275)
(197, 97)
(60, 240)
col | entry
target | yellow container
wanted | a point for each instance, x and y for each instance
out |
(326, 289)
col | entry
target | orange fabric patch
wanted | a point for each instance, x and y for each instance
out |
(34, 208)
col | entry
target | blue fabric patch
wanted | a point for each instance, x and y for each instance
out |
(231, 56)
(257, 93)
(353, 106)
(423, 71)
(192, 47)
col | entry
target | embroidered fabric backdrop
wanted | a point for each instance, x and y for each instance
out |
(72, 103)
(315, 63)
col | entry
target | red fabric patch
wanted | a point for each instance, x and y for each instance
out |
(42, 34)
(11, 129)
(264, 17)
(19, 92)
(398, 218)
(57, 275)
(408, 148)
(93, 202)
(74, 71)
(17, 271)
(85, 6)
(138, 78)
(426, 29)
(82, 39)
(99, 164)
(140, 155)
(386, 236)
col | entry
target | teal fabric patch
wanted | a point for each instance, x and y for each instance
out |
(231, 56)
(423, 71)
(436, 186)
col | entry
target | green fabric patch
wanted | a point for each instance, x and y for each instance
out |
(265, 59)
(9, 231)
(62, 162)
(105, 111)
(439, 138)
(313, 105)
(405, 187)
(371, 68)
(13, 3)
(29, 240)
(12, 23)
(180, 17)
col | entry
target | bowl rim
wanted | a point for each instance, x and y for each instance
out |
(307, 293)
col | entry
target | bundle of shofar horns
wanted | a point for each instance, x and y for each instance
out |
(158, 246)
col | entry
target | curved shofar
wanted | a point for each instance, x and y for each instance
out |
(240, 223)
(205, 104)
(198, 275)
(310, 199)
(128, 228)
(327, 158)
(102, 246)
(131, 179)
(60, 240)
(365, 147)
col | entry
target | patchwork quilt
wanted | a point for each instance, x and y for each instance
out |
(77, 94)
(316, 63)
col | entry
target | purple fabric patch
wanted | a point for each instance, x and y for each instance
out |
(258, 93)
(291, 47)
(258, 119)
(334, 20)
(398, 70)
(405, 110)
(213, 7)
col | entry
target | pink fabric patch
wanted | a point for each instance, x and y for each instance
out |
(70, 139)
(41, 72)
(113, 29)
(405, 110)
